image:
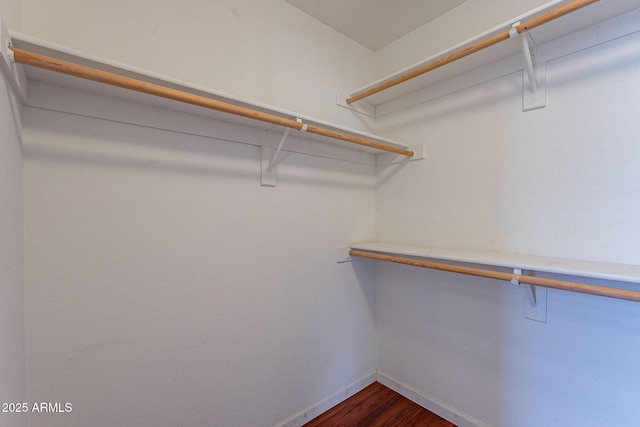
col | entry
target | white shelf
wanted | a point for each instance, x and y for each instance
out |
(591, 15)
(572, 267)
(39, 46)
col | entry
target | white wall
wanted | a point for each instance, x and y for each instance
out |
(560, 181)
(165, 286)
(264, 50)
(12, 360)
(11, 12)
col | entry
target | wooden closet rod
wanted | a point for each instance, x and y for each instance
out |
(528, 280)
(490, 41)
(69, 68)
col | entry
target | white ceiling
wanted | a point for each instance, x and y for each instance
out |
(375, 23)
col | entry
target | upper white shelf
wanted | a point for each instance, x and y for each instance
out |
(41, 47)
(591, 15)
(572, 267)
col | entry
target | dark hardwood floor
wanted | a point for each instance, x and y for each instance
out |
(377, 406)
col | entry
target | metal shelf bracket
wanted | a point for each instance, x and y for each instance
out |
(269, 166)
(534, 90)
(534, 300)
(531, 294)
(529, 289)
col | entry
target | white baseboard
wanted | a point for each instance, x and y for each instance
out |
(329, 402)
(437, 407)
(447, 412)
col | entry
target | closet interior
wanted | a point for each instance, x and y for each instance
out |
(177, 255)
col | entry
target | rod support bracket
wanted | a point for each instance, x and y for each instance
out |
(515, 280)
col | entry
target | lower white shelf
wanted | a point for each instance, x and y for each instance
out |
(437, 258)
(572, 267)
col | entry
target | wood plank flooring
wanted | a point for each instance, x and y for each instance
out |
(377, 406)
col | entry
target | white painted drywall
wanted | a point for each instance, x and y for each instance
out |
(165, 286)
(11, 12)
(12, 359)
(264, 50)
(560, 181)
